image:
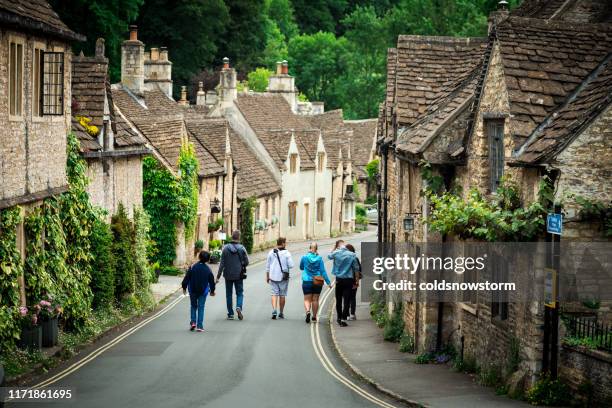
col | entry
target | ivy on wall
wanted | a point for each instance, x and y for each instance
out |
(169, 199)
(502, 217)
(123, 242)
(247, 222)
(10, 270)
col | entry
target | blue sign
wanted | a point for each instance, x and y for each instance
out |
(554, 224)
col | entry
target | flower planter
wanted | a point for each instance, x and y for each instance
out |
(214, 259)
(31, 338)
(50, 332)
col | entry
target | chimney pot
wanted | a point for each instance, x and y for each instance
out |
(154, 54)
(133, 33)
(226, 63)
(163, 53)
(279, 67)
(285, 70)
(100, 48)
(200, 86)
(502, 5)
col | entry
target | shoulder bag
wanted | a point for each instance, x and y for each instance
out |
(285, 274)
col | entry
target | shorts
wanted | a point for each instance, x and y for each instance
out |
(279, 288)
(309, 289)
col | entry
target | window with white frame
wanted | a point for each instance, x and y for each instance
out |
(15, 78)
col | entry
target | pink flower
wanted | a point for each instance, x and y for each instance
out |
(44, 303)
(49, 309)
(23, 311)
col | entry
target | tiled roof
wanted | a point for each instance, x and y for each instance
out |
(264, 112)
(566, 123)
(417, 137)
(35, 15)
(336, 146)
(330, 120)
(211, 133)
(544, 61)
(307, 141)
(576, 11)
(427, 67)
(88, 142)
(254, 179)
(362, 140)
(165, 134)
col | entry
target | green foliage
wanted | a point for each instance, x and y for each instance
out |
(10, 270)
(103, 264)
(592, 304)
(170, 271)
(360, 210)
(514, 355)
(371, 200)
(490, 376)
(214, 244)
(168, 199)
(258, 79)
(466, 365)
(123, 244)
(394, 326)
(501, 218)
(406, 343)
(587, 342)
(276, 46)
(281, 13)
(142, 244)
(549, 392)
(378, 308)
(198, 245)
(424, 358)
(95, 19)
(317, 61)
(594, 210)
(372, 170)
(247, 222)
(318, 15)
(191, 29)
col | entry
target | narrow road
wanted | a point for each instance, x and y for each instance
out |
(257, 362)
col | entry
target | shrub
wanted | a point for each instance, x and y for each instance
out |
(424, 358)
(360, 210)
(123, 233)
(103, 263)
(142, 242)
(214, 244)
(406, 343)
(466, 365)
(549, 392)
(490, 376)
(394, 326)
(246, 223)
(170, 271)
(370, 200)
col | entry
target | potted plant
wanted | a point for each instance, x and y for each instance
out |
(31, 332)
(49, 316)
(215, 256)
(198, 246)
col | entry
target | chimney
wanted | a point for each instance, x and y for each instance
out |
(183, 101)
(284, 84)
(100, 49)
(495, 17)
(211, 97)
(227, 92)
(158, 71)
(132, 63)
(201, 96)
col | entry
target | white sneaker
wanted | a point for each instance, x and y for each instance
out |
(352, 317)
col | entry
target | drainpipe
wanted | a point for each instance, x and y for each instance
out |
(234, 169)
(331, 208)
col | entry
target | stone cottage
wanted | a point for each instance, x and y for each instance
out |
(35, 106)
(530, 101)
(112, 148)
(144, 99)
(294, 150)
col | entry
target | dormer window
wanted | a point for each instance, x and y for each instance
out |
(293, 163)
(495, 135)
(320, 161)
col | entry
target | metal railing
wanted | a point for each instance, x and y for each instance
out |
(598, 334)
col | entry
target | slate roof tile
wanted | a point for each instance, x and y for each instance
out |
(36, 15)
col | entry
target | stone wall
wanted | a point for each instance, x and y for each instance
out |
(268, 236)
(581, 368)
(32, 149)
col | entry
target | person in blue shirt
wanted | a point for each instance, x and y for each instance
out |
(346, 269)
(313, 276)
(200, 281)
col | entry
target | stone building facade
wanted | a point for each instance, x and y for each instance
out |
(35, 115)
(530, 101)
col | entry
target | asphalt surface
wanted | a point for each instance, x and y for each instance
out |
(257, 362)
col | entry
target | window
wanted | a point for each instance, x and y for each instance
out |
(499, 301)
(320, 210)
(349, 189)
(15, 78)
(293, 163)
(320, 161)
(267, 208)
(53, 83)
(273, 206)
(37, 69)
(257, 210)
(293, 213)
(348, 210)
(495, 134)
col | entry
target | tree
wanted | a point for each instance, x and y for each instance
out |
(281, 13)
(123, 251)
(103, 263)
(99, 18)
(191, 29)
(247, 223)
(365, 83)
(276, 46)
(245, 39)
(318, 15)
(318, 61)
(258, 79)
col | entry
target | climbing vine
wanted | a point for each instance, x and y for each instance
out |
(168, 199)
(10, 270)
(500, 218)
(595, 210)
(247, 222)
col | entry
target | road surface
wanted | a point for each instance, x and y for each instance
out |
(257, 362)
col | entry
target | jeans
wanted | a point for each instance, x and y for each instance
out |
(197, 304)
(238, 284)
(354, 300)
(344, 287)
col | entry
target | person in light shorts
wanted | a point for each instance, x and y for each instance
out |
(277, 276)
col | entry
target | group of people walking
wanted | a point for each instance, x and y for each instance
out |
(200, 281)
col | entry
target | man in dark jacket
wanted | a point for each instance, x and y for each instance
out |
(234, 259)
(200, 281)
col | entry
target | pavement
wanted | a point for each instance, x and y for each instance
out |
(257, 362)
(363, 349)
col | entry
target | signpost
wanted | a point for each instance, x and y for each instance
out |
(550, 288)
(554, 224)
